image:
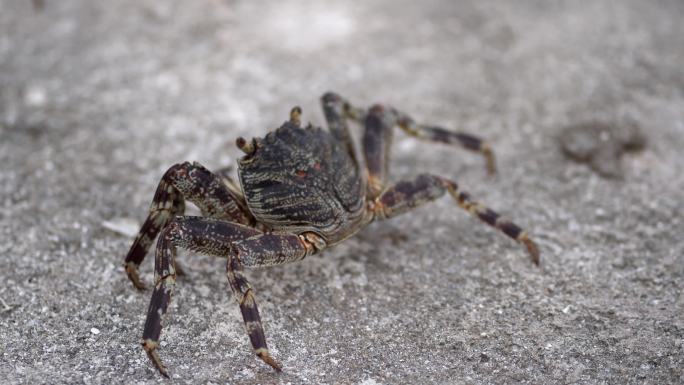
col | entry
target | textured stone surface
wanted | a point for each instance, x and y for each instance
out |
(97, 99)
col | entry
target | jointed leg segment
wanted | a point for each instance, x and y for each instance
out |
(196, 184)
(407, 195)
(439, 134)
(377, 140)
(378, 122)
(244, 295)
(167, 203)
(209, 236)
(243, 246)
(164, 282)
(337, 111)
(260, 251)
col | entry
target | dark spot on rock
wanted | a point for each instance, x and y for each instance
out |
(601, 145)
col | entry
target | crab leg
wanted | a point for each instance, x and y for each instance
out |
(337, 110)
(260, 251)
(377, 140)
(439, 134)
(406, 195)
(164, 282)
(184, 181)
(208, 236)
(166, 204)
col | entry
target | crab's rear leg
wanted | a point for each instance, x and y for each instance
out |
(406, 195)
(377, 140)
(183, 181)
(442, 135)
(337, 111)
(376, 143)
(208, 236)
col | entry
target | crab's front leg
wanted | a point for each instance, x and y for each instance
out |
(204, 235)
(184, 181)
(245, 247)
(261, 251)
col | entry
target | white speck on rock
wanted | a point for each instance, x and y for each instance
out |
(124, 226)
(35, 96)
(369, 381)
(95, 331)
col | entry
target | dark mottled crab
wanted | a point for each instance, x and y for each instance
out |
(303, 190)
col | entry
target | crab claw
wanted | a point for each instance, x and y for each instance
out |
(151, 350)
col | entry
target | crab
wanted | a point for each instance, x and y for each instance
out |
(301, 190)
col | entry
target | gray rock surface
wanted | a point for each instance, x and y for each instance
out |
(97, 99)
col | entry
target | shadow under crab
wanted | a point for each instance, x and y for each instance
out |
(302, 189)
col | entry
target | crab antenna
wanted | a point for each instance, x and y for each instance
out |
(295, 115)
(246, 146)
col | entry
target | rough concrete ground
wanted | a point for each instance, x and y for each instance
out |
(97, 99)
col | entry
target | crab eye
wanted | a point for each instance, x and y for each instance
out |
(246, 146)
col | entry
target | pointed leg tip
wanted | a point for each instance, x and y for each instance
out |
(490, 159)
(158, 364)
(267, 358)
(140, 286)
(151, 350)
(134, 276)
(532, 249)
(491, 167)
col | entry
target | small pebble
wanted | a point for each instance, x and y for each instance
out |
(95, 331)
(601, 144)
